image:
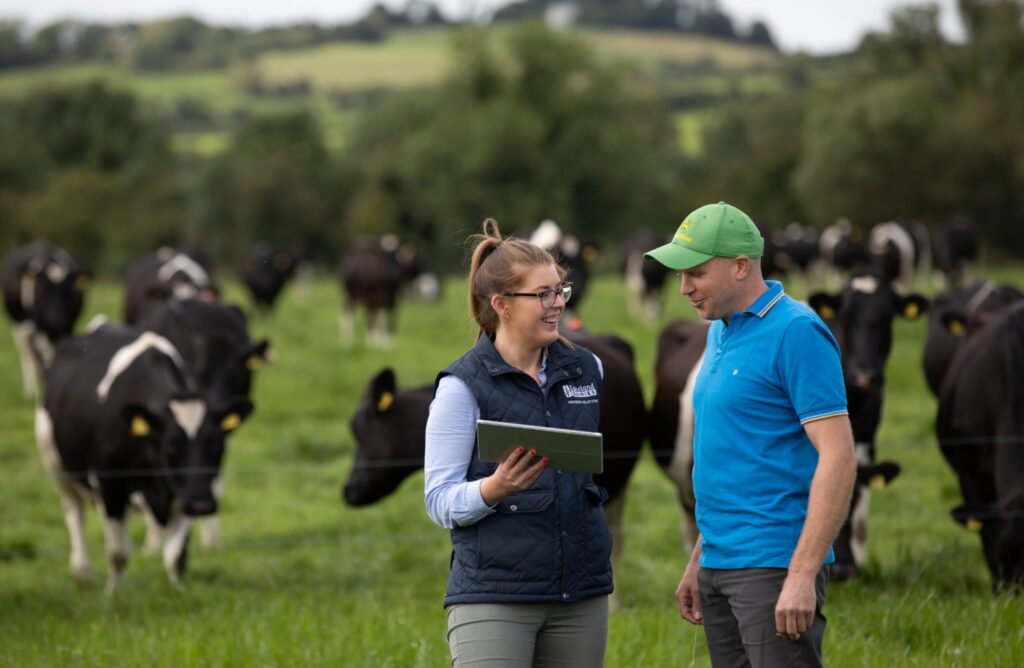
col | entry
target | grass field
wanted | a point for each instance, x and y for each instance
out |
(303, 580)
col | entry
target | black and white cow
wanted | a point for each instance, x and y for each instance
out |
(43, 290)
(389, 428)
(372, 277)
(795, 248)
(842, 250)
(213, 341)
(953, 315)
(671, 421)
(900, 251)
(645, 278)
(167, 273)
(955, 245)
(980, 429)
(121, 416)
(265, 270)
(575, 255)
(861, 318)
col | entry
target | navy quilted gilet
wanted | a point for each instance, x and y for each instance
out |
(550, 542)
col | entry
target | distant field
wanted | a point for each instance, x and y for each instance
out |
(304, 580)
(340, 75)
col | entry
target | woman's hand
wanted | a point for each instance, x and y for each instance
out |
(518, 471)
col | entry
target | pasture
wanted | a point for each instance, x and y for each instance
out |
(303, 580)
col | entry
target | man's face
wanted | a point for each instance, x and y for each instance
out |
(711, 287)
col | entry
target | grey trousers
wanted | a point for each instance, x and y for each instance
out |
(521, 635)
(739, 619)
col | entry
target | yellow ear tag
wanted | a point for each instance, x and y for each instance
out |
(877, 482)
(911, 310)
(253, 362)
(140, 427)
(385, 402)
(957, 328)
(82, 282)
(973, 525)
(827, 312)
(230, 422)
(590, 253)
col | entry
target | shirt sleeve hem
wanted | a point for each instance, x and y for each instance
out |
(822, 416)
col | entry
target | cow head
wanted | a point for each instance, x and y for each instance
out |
(388, 429)
(861, 317)
(230, 373)
(199, 438)
(57, 288)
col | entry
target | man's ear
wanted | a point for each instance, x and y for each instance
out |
(742, 266)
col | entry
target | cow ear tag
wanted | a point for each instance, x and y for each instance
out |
(140, 427)
(878, 482)
(590, 253)
(957, 327)
(230, 422)
(253, 362)
(827, 312)
(911, 310)
(973, 524)
(385, 401)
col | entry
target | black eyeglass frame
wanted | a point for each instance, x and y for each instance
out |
(565, 291)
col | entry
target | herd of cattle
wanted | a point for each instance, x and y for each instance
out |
(138, 415)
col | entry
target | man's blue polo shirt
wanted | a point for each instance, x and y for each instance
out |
(774, 368)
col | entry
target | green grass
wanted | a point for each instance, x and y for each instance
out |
(302, 579)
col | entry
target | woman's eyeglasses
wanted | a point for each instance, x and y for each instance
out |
(547, 297)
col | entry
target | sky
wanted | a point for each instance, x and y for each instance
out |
(816, 26)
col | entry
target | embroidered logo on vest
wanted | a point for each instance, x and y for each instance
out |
(579, 391)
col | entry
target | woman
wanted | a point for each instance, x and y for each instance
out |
(530, 572)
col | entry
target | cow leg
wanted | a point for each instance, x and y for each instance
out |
(71, 500)
(176, 548)
(209, 527)
(119, 547)
(45, 349)
(859, 513)
(23, 333)
(74, 517)
(613, 511)
(153, 529)
(635, 293)
(347, 325)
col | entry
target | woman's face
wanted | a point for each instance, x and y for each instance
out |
(529, 321)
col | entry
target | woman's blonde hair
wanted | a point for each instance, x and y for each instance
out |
(499, 264)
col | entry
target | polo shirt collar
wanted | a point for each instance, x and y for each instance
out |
(765, 302)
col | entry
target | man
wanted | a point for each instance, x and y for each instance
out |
(774, 463)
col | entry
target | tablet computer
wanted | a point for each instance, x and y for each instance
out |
(566, 449)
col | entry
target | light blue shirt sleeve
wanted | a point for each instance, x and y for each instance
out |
(451, 435)
(450, 498)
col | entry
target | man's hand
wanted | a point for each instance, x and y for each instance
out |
(688, 596)
(518, 471)
(794, 611)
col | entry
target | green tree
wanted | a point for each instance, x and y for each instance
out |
(542, 130)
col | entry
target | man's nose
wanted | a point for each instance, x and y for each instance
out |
(685, 287)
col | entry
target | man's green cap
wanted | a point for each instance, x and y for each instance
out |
(714, 230)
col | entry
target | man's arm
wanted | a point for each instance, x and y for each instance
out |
(687, 593)
(827, 507)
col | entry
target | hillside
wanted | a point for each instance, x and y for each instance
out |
(338, 79)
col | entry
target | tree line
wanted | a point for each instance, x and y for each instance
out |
(540, 127)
